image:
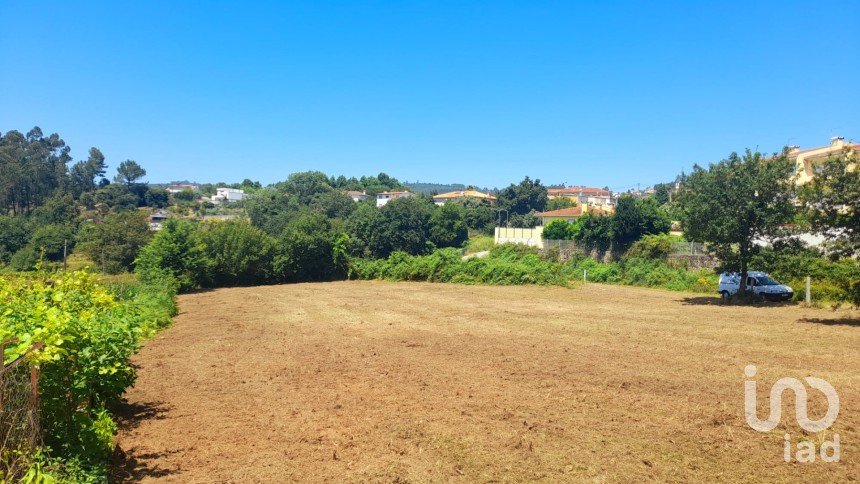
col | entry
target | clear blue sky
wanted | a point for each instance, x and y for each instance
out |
(597, 93)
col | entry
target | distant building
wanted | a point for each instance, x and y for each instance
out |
(357, 196)
(583, 195)
(221, 217)
(807, 160)
(156, 218)
(571, 214)
(385, 197)
(463, 194)
(181, 187)
(227, 195)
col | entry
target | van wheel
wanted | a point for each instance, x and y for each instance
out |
(726, 296)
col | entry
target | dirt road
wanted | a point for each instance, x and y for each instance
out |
(375, 381)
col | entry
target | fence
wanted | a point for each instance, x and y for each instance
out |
(516, 235)
(689, 248)
(19, 414)
(565, 249)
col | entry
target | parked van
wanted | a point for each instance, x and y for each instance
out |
(759, 283)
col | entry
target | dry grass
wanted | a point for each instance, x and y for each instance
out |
(376, 381)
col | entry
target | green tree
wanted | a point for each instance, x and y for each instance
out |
(402, 224)
(478, 216)
(833, 202)
(114, 197)
(594, 231)
(59, 209)
(635, 218)
(156, 197)
(186, 195)
(737, 201)
(271, 210)
(447, 227)
(129, 172)
(237, 253)
(333, 204)
(310, 250)
(84, 174)
(560, 203)
(175, 250)
(525, 220)
(46, 242)
(559, 230)
(529, 195)
(662, 193)
(114, 242)
(305, 185)
(14, 234)
(32, 168)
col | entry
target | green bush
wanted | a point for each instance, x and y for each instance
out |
(237, 253)
(175, 250)
(652, 247)
(644, 272)
(790, 263)
(89, 333)
(507, 264)
(114, 242)
(479, 243)
(559, 230)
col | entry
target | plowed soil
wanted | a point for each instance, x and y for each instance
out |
(376, 381)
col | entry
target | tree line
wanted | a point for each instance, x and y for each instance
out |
(306, 225)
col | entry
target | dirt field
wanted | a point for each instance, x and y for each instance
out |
(375, 381)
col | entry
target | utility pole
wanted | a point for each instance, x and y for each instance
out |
(65, 252)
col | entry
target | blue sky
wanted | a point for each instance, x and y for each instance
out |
(598, 93)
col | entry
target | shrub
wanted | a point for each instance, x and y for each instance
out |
(652, 247)
(447, 228)
(114, 242)
(236, 253)
(175, 250)
(507, 264)
(89, 333)
(479, 243)
(559, 230)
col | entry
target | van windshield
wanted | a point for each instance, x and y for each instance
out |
(766, 281)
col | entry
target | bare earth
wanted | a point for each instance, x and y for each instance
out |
(376, 381)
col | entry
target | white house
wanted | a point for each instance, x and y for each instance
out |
(442, 198)
(357, 196)
(385, 197)
(156, 218)
(181, 187)
(584, 195)
(227, 195)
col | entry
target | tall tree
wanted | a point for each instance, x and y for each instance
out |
(737, 201)
(524, 197)
(635, 218)
(129, 172)
(833, 201)
(84, 174)
(447, 227)
(305, 185)
(113, 243)
(32, 168)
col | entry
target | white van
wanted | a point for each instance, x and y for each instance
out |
(759, 283)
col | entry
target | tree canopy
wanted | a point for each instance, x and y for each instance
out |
(129, 172)
(736, 202)
(833, 202)
(527, 196)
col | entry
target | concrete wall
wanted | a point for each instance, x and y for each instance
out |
(512, 235)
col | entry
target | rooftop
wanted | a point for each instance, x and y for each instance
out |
(579, 190)
(562, 212)
(465, 193)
